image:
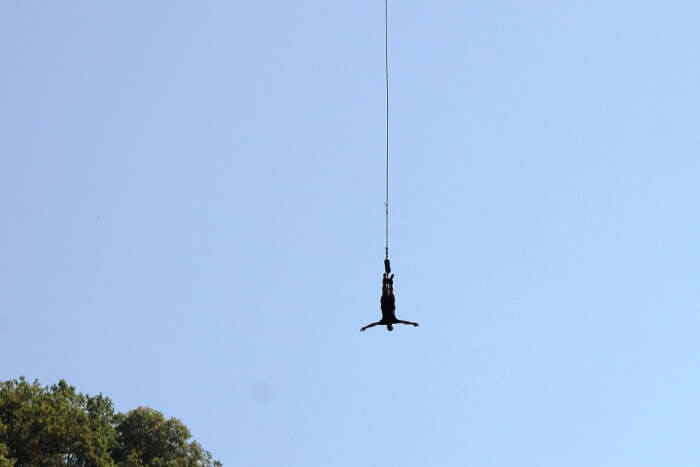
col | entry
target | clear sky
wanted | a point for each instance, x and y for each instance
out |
(192, 220)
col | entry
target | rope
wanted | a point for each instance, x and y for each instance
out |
(386, 61)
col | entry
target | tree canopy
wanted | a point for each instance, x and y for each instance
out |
(42, 425)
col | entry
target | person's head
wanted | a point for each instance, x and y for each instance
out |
(389, 327)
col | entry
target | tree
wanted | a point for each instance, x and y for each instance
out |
(147, 437)
(58, 426)
(55, 425)
(4, 451)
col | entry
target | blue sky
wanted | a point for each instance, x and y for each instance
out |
(192, 199)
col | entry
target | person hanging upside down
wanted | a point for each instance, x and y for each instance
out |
(388, 305)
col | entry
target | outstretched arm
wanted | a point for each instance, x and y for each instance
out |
(407, 322)
(362, 329)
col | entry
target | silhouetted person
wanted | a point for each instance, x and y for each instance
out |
(388, 305)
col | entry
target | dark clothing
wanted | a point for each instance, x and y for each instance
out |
(388, 304)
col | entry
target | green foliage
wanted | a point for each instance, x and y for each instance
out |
(145, 435)
(4, 451)
(58, 426)
(47, 425)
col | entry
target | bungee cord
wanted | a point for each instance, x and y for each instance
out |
(386, 63)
